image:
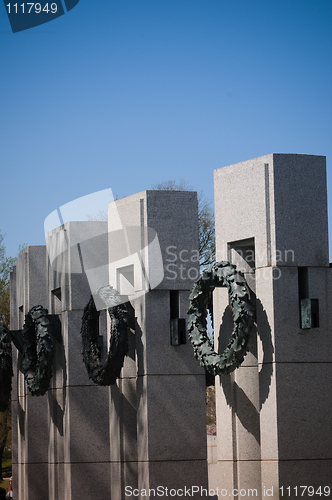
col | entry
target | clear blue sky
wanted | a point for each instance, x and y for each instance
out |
(124, 94)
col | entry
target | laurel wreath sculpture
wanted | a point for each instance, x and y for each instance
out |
(220, 274)
(120, 315)
(6, 367)
(37, 344)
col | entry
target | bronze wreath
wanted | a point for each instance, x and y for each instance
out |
(105, 373)
(37, 345)
(6, 367)
(220, 274)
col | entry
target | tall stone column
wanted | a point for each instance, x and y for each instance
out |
(161, 394)
(273, 412)
(29, 413)
(79, 447)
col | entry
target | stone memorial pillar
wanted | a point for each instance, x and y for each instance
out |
(159, 412)
(273, 413)
(79, 441)
(29, 413)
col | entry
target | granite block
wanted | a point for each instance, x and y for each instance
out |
(67, 480)
(226, 478)
(314, 473)
(230, 184)
(251, 357)
(142, 421)
(128, 420)
(293, 344)
(269, 430)
(115, 423)
(162, 357)
(265, 318)
(224, 417)
(89, 480)
(59, 376)
(56, 482)
(213, 478)
(21, 430)
(276, 200)
(36, 279)
(304, 410)
(246, 408)
(299, 182)
(36, 415)
(74, 263)
(21, 481)
(143, 475)
(88, 432)
(176, 406)
(75, 372)
(116, 481)
(123, 475)
(36, 481)
(249, 478)
(129, 476)
(79, 292)
(30, 281)
(210, 445)
(270, 478)
(15, 469)
(56, 402)
(172, 215)
(178, 475)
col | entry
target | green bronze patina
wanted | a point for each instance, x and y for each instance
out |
(6, 369)
(37, 347)
(220, 274)
(35, 342)
(121, 318)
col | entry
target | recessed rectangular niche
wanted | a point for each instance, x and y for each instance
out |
(126, 280)
(174, 302)
(303, 282)
(177, 325)
(21, 317)
(242, 254)
(56, 301)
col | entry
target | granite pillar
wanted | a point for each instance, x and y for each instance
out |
(79, 439)
(29, 413)
(163, 438)
(273, 412)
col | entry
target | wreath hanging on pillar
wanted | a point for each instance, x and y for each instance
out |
(6, 367)
(37, 345)
(220, 274)
(120, 317)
